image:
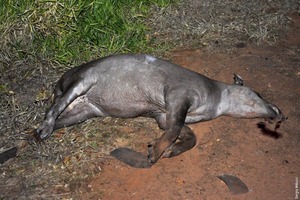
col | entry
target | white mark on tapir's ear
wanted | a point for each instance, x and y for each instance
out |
(238, 80)
(150, 58)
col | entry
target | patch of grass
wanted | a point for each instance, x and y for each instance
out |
(73, 31)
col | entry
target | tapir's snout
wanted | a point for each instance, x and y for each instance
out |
(275, 114)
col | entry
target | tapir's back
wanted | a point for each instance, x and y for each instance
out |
(145, 69)
(143, 73)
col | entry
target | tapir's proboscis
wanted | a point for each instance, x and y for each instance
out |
(132, 85)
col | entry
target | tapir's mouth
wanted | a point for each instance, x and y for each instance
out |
(276, 117)
(276, 120)
(277, 123)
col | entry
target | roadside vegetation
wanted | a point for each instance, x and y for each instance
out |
(68, 32)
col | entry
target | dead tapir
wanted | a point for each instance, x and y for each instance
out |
(132, 85)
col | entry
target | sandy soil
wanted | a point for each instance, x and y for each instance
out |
(268, 165)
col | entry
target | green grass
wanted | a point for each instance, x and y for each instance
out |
(72, 31)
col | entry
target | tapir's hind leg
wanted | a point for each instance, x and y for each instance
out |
(79, 113)
(61, 102)
(185, 141)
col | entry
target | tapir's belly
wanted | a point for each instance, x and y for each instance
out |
(125, 106)
(126, 100)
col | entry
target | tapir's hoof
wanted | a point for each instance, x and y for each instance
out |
(152, 152)
(131, 158)
(168, 153)
(35, 136)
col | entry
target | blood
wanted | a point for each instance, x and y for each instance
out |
(267, 131)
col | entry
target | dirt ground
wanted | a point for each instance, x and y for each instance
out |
(268, 165)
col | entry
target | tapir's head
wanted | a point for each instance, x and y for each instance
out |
(241, 101)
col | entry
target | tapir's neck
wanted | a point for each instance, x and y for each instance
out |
(224, 103)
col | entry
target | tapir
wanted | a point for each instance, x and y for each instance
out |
(132, 85)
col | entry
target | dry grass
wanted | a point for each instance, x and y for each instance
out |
(222, 24)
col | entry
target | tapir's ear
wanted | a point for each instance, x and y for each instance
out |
(238, 80)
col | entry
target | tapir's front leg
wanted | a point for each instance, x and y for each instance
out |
(176, 107)
(67, 97)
